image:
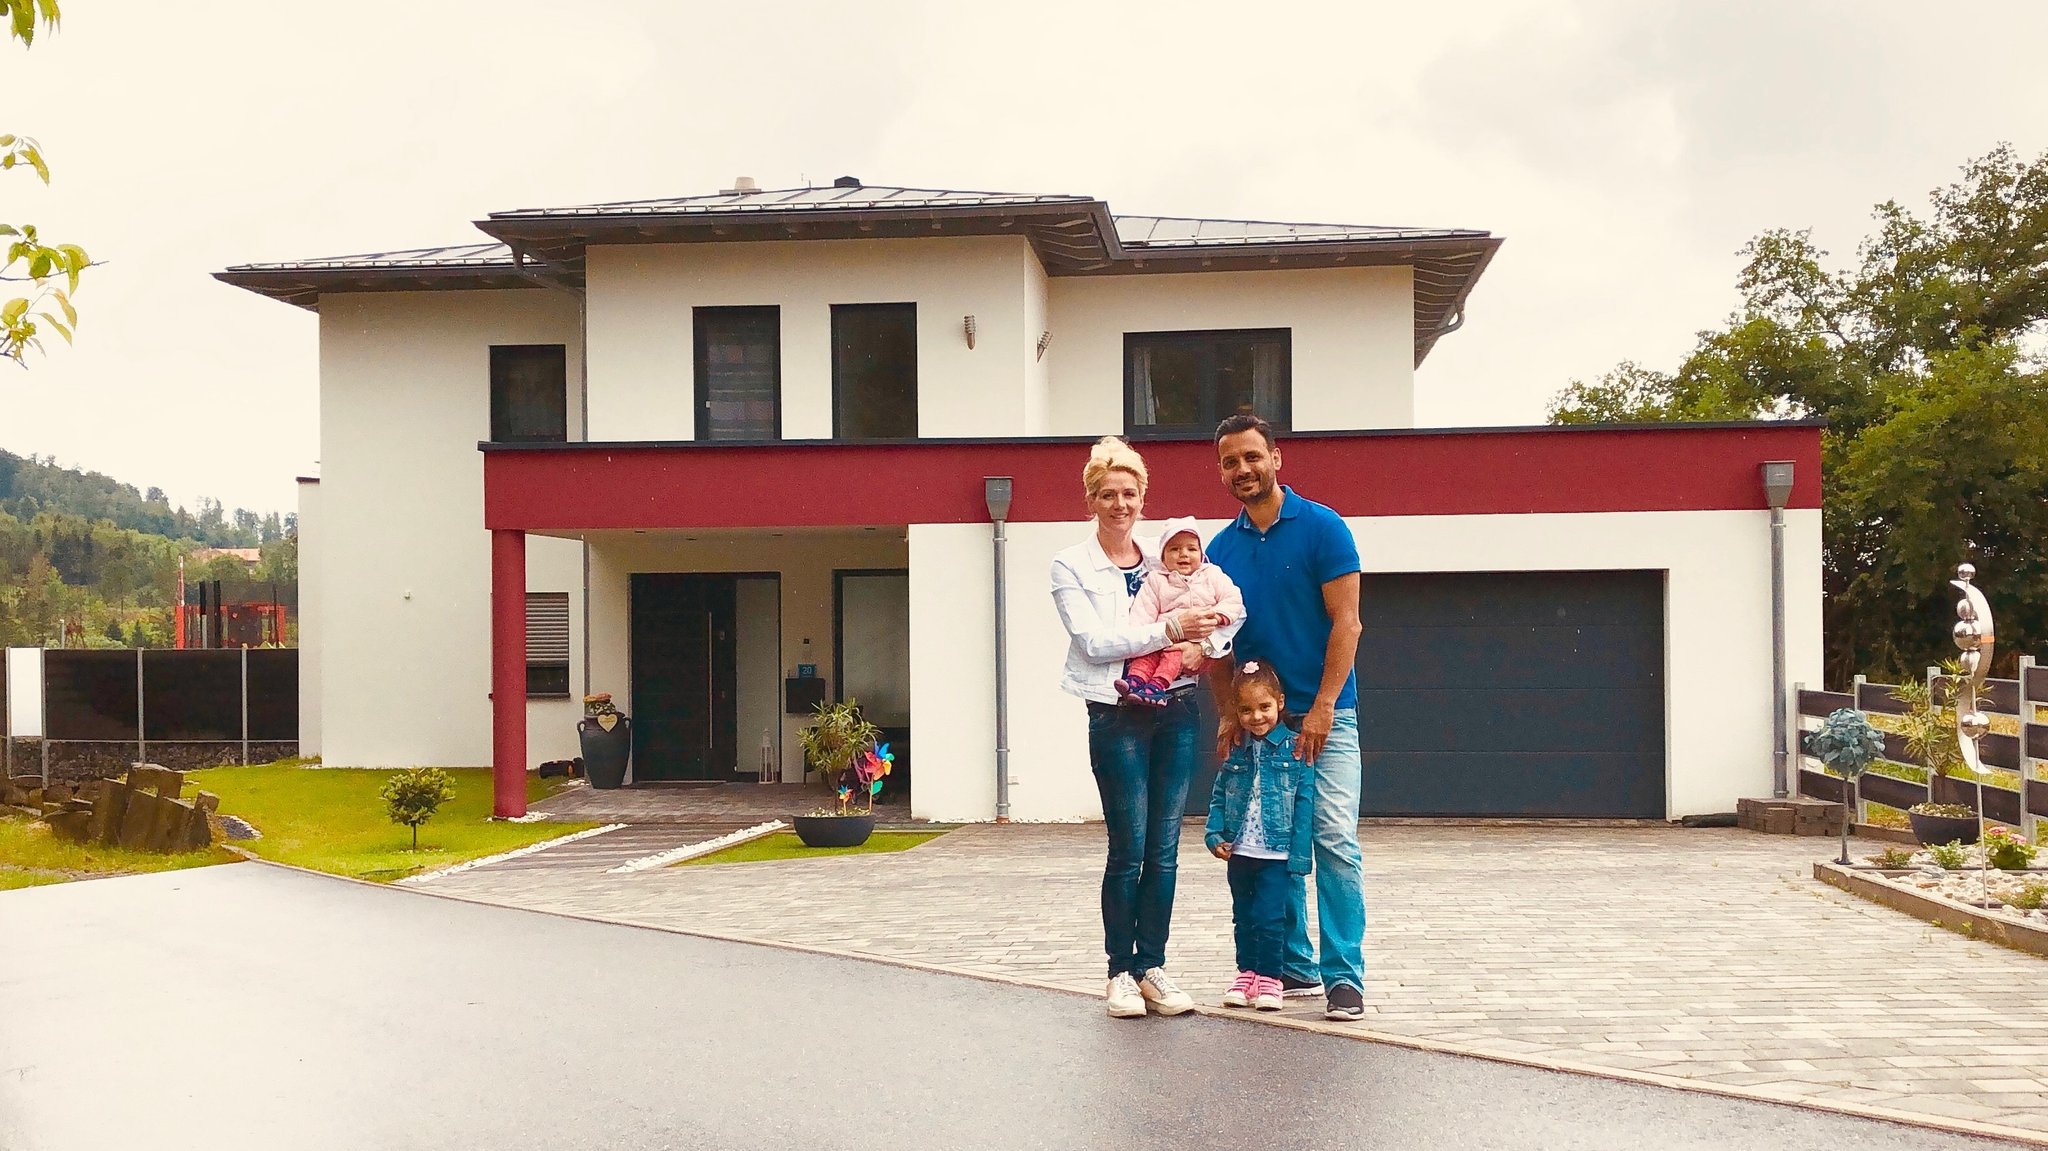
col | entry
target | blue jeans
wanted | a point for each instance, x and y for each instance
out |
(1143, 758)
(1340, 890)
(1258, 910)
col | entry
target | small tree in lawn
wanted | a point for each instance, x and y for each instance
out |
(414, 795)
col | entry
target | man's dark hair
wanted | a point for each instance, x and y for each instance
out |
(1245, 422)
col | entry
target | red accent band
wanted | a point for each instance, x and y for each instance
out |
(809, 484)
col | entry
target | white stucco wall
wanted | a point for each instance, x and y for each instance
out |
(312, 620)
(403, 562)
(641, 327)
(805, 561)
(1717, 643)
(1353, 346)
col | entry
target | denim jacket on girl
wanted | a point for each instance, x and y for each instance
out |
(1287, 796)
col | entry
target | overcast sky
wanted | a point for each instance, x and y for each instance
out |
(1624, 148)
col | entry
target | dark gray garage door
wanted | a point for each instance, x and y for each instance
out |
(1513, 693)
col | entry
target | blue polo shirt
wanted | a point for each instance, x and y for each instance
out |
(1282, 571)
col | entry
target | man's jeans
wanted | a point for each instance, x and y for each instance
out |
(1340, 891)
(1143, 759)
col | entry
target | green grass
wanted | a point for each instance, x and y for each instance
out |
(332, 820)
(785, 845)
(31, 856)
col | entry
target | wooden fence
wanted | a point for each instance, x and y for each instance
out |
(2023, 807)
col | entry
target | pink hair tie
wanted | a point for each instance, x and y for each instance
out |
(1251, 667)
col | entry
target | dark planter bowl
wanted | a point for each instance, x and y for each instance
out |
(1933, 830)
(833, 830)
(606, 753)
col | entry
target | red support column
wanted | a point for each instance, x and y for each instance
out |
(508, 673)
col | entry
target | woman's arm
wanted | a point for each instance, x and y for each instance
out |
(1101, 641)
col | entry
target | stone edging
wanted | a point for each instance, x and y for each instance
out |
(676, 855)
(1937, 910)
(1337, 1030)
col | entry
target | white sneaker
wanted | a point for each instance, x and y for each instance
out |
(1122, 999)
(1162, 995)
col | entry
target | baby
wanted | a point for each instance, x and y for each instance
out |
(1184, 579)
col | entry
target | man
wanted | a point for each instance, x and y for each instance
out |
(1297, 564)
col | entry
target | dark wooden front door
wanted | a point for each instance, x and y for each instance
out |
(684, 722)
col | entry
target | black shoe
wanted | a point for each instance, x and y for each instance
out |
(1344, 1004)
(1292, 988)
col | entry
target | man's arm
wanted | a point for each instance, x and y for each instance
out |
(1219, 672)
(1340, 656)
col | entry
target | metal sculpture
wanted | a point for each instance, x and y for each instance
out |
(1974, 636)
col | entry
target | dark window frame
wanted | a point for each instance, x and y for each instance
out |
(839, 310)
(700, 346)
(505, 352)
(1206, 341)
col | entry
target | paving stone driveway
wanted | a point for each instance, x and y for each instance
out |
(1706, 955)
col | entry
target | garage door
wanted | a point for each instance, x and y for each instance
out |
(1513, 694)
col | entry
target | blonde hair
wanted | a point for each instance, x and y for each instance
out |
(1111, 454)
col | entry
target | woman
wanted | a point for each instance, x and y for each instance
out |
(1142, 756)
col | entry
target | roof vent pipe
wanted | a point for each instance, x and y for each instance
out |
(742, 186)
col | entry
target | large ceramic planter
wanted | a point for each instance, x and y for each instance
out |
(1932, 830)
(833, 830)
(606, 753)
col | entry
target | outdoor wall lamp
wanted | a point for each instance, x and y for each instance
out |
(1777, 480)
(1044, 340)
(968, 324)
(995, 491)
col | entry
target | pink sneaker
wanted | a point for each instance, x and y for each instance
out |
(1242, 990)
(1266, 993)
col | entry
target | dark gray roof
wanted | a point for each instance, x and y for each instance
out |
(1072, 235)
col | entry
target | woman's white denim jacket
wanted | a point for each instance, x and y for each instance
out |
(1094, 604)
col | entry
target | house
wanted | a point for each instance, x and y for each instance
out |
(723, 455)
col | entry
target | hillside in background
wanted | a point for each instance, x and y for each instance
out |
(87, 561)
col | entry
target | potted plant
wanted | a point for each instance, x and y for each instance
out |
(842, 746)
(1846, 743)
(1930, 734)
(607, 738)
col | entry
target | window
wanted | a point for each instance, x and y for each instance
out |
(874, 371)
(739, 373)
(529, 393)
(547, 645)
(1191, 381)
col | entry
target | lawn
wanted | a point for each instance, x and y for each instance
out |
(785, 845)
(30, 856)
(331, 819)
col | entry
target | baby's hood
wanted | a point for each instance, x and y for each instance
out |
(1177, 525)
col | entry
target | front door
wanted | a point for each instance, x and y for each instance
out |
(685, 725)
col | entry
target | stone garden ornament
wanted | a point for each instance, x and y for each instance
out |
(1846, 743)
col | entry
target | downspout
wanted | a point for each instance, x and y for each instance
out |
(1777, 483)
(996, 490)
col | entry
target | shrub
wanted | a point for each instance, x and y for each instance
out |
(1930, 731)
(1950, 856)
(2033, 896)
(413, 796)
(1894, 858)
(2007, 851)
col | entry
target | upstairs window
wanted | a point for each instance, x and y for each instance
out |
(1191, 381)
(739, 373)
(529, 393)
(874, 371)
(547, 645)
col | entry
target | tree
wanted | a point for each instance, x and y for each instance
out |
(1922, 356)
(40, 263)
(411, 797)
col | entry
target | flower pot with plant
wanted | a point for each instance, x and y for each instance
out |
(842, 746)
(1930, 735)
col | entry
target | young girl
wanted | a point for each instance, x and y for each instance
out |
(1261, 822)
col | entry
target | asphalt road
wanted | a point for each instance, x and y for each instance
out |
(247, 1006)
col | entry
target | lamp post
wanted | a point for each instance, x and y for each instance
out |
(995, 490)
(1777, 480)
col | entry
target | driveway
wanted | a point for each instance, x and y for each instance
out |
(1710, 957)
(250, 1006)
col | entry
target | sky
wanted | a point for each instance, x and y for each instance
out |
(1626, 149)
